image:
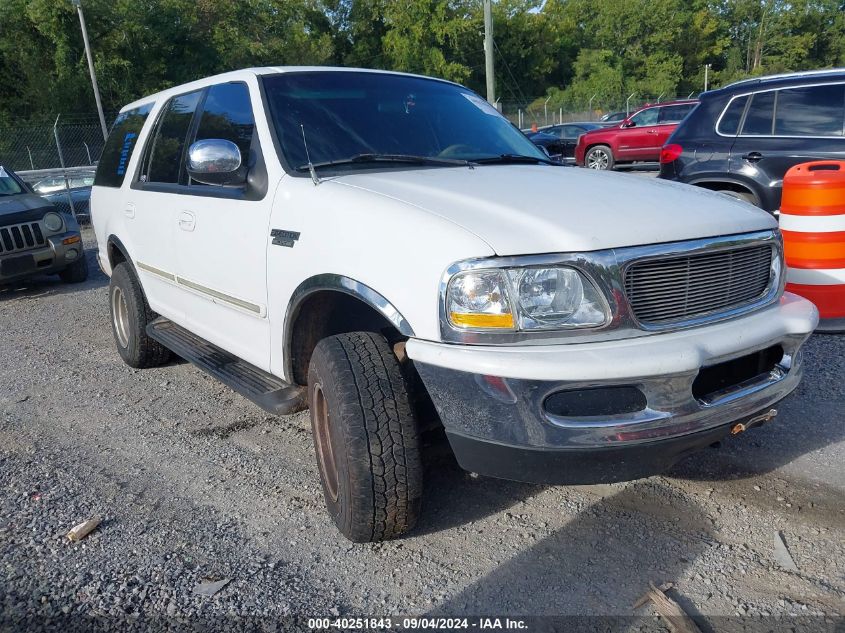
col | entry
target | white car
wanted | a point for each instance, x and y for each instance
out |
(365, 243)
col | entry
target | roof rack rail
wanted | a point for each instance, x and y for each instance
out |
(805, 73)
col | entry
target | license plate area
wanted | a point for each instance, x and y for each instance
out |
(17, 265)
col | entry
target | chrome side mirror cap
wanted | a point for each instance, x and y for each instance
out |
(215, 161)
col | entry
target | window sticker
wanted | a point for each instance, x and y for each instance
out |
(481, 104)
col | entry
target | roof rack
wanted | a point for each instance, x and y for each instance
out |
(805, 73)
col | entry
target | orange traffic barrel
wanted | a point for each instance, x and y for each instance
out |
(812, 220)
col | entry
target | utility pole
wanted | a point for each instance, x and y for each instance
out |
(706, 75)
(488, 51)
(78, 5)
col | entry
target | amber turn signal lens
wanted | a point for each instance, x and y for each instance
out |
(504, 321)
(71, 240)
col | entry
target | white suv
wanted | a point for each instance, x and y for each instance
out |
(366, 243)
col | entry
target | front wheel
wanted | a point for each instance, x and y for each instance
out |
(599, 157)
(365, 437)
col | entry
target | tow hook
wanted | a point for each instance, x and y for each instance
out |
(768, 416)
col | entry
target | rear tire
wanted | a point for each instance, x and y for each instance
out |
(365, 437)
(130, 315)
(77, 272)
(599, 157)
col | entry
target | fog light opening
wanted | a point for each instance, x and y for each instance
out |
(71, 254)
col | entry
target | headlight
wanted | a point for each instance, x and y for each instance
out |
(53, 222)
(478, 300)
(557, 297)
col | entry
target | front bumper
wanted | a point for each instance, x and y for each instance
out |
(52, 258)
(495, 401)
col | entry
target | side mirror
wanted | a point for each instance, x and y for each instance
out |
(215, 161)
(627, 124)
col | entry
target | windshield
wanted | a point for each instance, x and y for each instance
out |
(8, 185)
(350, 114)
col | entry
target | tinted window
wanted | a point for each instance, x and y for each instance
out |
(673, 114)
(227, 114)
(812, 111)
(572, 131)
(118, 149)
(646, 117)
(346, 114)
(8, 185)
(730, 119)
(165, 154)
(760, 112)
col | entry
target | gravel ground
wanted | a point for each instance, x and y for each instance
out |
(195, 484)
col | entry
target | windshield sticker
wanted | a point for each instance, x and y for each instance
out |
(481, 104)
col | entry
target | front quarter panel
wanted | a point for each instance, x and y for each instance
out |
(394, 248)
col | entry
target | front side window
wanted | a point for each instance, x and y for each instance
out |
(645, 117)
(118, 148)
(227, 114)
(164, 158)
(811, 111)
(572, 131)
(758, 120)
(8, 185)
(351, 114)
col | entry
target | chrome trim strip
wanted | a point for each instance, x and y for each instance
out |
(747, 105)
(211, 293)
(156, 271)
(606, 270)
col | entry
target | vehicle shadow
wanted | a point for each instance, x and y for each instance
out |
(453, 497)
(597, 565)
(49, 285)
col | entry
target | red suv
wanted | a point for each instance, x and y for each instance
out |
(640, 137)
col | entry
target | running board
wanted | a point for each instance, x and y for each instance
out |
(267, 391)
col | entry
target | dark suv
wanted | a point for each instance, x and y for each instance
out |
(35, 236)
(742, 139)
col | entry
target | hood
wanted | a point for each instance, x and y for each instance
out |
(530, 209)
(23, 207)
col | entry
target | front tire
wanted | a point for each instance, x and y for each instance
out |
(365, 437)
(599, 157)
(130, 315)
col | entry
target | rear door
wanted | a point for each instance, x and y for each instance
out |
(153, 202)
(784, 127)
(668, 119)
(638, 138)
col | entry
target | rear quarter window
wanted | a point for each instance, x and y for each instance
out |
(119, 147)
(729, 122)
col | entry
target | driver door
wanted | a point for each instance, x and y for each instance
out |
(639, 138)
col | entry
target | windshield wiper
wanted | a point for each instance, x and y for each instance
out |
(510, 159)
(389, 158)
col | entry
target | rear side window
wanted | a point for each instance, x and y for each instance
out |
(759, 119)
(227, 114)
(164, 158)
(729, 123)
(118, 149)
(811, 111)
(673, 114)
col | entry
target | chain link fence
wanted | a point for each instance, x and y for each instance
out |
(533, 111)
(57, 159)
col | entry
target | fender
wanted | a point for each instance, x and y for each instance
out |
(346, 285)
(114, 242)
(733, 180)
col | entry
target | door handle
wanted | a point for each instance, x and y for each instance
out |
(651, 131)
(129, 211)
(752, 157)
(187, 221)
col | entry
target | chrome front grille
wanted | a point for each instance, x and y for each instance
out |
(668, 290)
(21, 237)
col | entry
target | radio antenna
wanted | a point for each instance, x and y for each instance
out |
(311, 169)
